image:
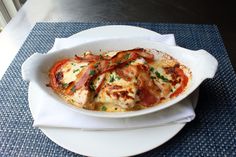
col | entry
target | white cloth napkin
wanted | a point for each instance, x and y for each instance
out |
(63, 43)
(54, 115)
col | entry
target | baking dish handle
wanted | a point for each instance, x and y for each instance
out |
(207, 64)
(30, 67)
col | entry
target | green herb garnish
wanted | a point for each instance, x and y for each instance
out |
(153, 77)
(91, 86)
(73, 89)
(73, 64)
(161, 76)
(112, 79)
(151, 69)
(92, 72)
(127, 56)
(74, 71)
(104, 108)
(64, 85)
(117, 77)
(96, 65)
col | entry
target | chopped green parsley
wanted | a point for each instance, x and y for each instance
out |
(96, 65)
(64, 85)
(127, 56)
(91, 86)
(104, 108)
(92, 72)
(117, 77)
(153, 77)
(151, 69)
(161, 76)
(73, 89)
(112, 79)
(74, 71)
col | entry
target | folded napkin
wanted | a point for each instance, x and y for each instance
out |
(63, 43)
(50, 114)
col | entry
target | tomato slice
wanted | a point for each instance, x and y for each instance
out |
(184, 82)
(52, 73)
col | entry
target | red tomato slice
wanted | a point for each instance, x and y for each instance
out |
(52, 73)
(184, 82)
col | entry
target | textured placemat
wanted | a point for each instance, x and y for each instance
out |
(212, 133)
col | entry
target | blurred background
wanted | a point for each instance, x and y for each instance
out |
(8, 9)
(221, 13)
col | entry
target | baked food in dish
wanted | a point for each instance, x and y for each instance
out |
(119, 81)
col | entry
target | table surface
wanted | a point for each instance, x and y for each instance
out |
(159, 11)
(211, 133)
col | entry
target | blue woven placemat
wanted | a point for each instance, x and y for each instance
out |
(212, 133)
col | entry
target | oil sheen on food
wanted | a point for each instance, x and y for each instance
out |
(119, 81)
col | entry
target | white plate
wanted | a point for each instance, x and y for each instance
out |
(107, 143)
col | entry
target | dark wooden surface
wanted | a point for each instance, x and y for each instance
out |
(221, 13)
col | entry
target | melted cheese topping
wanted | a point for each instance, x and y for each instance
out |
(117, 91)
(70, 70)
(118, 94)
(79, 98)
(138, 61)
